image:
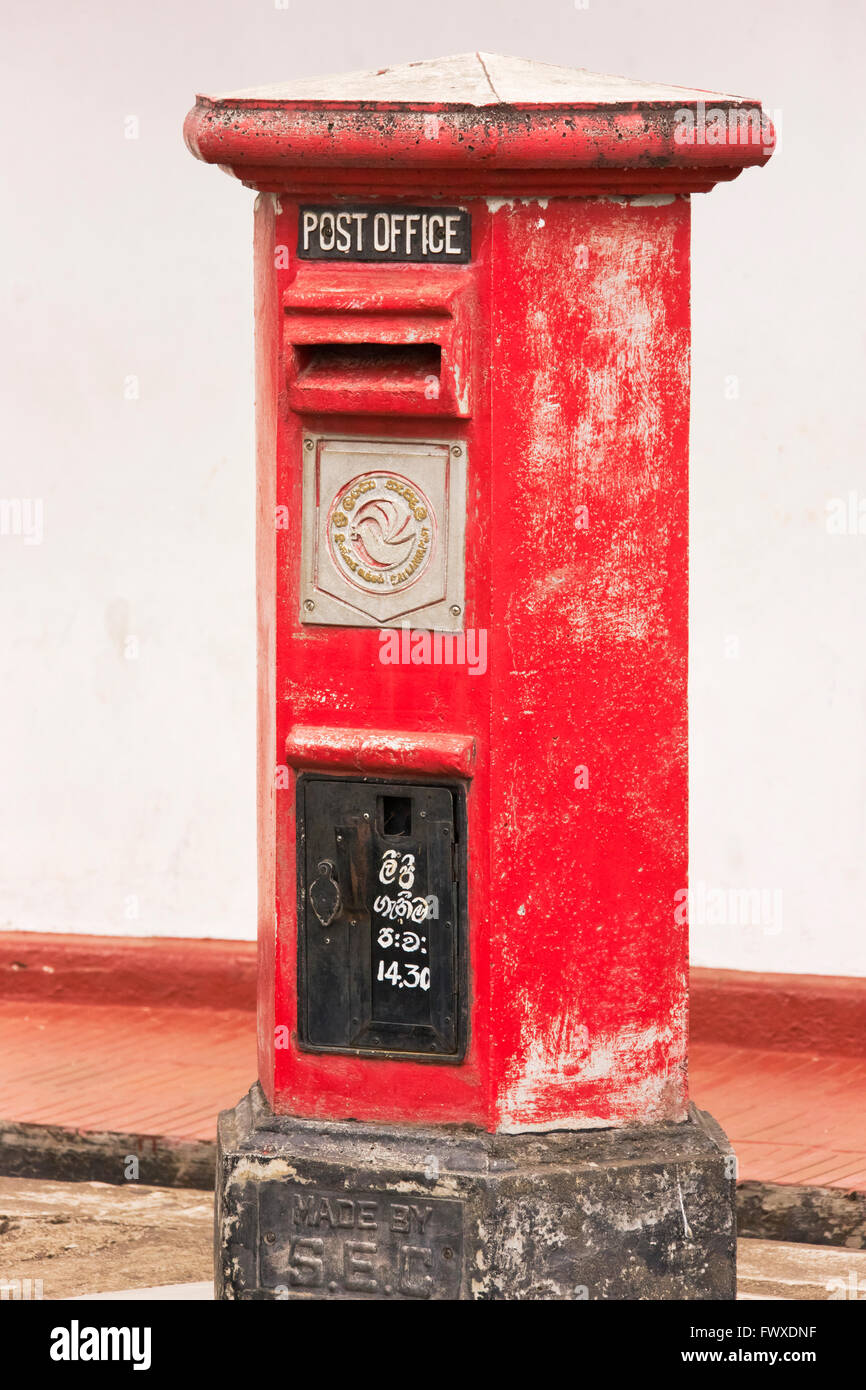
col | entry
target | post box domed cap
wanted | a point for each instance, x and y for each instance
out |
(479, 122)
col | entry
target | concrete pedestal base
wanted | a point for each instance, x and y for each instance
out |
(319, 1209)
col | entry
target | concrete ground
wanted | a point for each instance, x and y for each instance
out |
(86, 1237)
(89, 1238)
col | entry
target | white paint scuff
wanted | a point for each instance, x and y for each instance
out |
(558, 1057)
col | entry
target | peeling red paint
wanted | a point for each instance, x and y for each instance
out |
(477, 123)
(380, 750)
(570, 325)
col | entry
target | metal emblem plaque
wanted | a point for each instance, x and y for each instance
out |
(383, 532)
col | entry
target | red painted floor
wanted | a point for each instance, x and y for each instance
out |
(792, 1117)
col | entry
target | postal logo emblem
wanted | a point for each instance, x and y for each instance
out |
(381, 532)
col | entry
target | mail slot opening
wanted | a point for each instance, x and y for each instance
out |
(395, 366)
(396, 815)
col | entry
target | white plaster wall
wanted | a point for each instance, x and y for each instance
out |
(127, 765)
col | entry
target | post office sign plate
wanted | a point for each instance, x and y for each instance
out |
(360, 232)
(383, 532)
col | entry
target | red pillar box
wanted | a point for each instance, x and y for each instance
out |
(472, 305)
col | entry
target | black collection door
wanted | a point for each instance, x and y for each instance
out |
(382, 940)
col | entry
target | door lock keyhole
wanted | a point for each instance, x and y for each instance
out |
(325, 893)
